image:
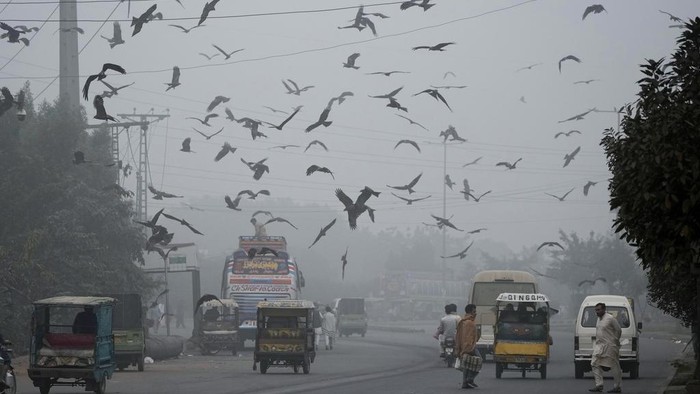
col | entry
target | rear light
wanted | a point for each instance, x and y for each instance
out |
(576, 343)
(634, 344)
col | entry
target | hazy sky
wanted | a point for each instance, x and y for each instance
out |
(493, 40)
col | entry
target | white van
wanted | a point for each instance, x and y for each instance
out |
(621, 308)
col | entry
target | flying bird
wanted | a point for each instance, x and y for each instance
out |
(387, 73)
(587, 187)
(323, 232)
(232, 204)
(313, 168)
(566, 133)
(522, 100)
(184, 29)
(281, 125)
(154, 220)
(595, 8)
(285, 146)
(412, 122)
(316, 142)
(586, 81)
(448, 181)
(449, 73)
(116, 36)
(295, 89)
(508, 165)
(550, 244)
(144, 18)
(206, 297)
(183, 222)
(226, 148)
(344, 262)
(562, 197)
(159, 195)
(206, 119)
(208, 7)
(449, 86)
(252, 252)
(350, 63)
(12, 34)
(186, 145)
(227, 55)
(569, 57)
(209, 57)
(343, 96)
(592, 282)
(280, 220)
(461, 254)
(672, 17)
(569, 157)
(101, 113)
(437, 47)
(388, 95)
(322, 119)
(477, 199)
(268, 213)
(410, 142)
(70, 29)
(216, 101)
(424, 4)
(579, 116)
(112, 90)
(466, 189)
(395, 104)
(477, 231)
(472, 162)
(208, 136)
(528, 67)
(442, 222)
(100, 76)
(436, 95)
(409, 186)
(276, 110)
(355, 209)
(252, 195)
(451, 133)
(410, 201)
(258, 168)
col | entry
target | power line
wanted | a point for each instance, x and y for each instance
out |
(42, 2)
(34, 35)
(6, 5)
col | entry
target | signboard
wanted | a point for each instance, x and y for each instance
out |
(258, 288)
(177, 263)
(521, 297)
(261, 267)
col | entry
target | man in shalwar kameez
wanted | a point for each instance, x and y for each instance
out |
(606, 350)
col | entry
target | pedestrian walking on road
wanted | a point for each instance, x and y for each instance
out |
(180, 315)
(328, 326)
(606, 350)
(317, 324)
(465, 339)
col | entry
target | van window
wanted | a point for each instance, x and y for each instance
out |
(589, 318)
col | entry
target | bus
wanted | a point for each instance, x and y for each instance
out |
(486, 286)
(262, 278)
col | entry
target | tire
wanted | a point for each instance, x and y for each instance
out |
(306, 366)
(140, 363)
(578, 370)
(499, 370)
(523, 374)
(296, 368)
(450, 361)
(45, 386)
(209, 351)
(263, 366)
(101, 386)
(543, 371)
(634, 371)
(13, 389)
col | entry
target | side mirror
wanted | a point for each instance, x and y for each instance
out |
(639, 326)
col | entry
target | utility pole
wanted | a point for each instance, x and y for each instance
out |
(614, 111)
(115, 130)
(69, 70)
(444, 215)
(141, 174)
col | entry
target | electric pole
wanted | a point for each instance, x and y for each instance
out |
(69, 70)
(115, 130)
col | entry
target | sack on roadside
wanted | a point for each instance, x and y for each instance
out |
(472, 363)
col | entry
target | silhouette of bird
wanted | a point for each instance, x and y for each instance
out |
(70, 29)
(186, 145)
(508, 165)
(285, 146)
(112, 90)
(100, 76)
(258, 168)
(410, 201)
(436, 95)
(206, 119)
(144, 18)
(412, 122)
(569, 157)
(268, 213)
(409, 186)
(116, 36)
(448, 181)
(154, 220)
(449, 86)
(295, 89)
(592, 282)
(387, 73)
(281, 125)
(550, 244)
(586, 81)
(313, 168)
(216, 101)
(361, 21)
(477, 231)
(442, 222)
(587, 187)
(159, 195)
(343, 96)
(355, 209)
(101, 113)
(276, 110)
(316, 142)
(232, 204)
(562, 197)
(466, 189)
(477, 199)
(183, 222)
(208, 136)
(449, 73)
(578, 117)
(528, 67)
(12, 34)
(390, 94)
(344, 262)
(209, 57)
(437, 47)
(350, 63)
(566, 133)
(208, 7)
(451, 133)
(424, 4)
(461, 254)
(79, 158)
(252, 252)
(522, 100)
(410, 142)
(206, 297)
(672, 17)
(595, 8)
(226, 148)
(281, 220)
(322, 120)
(227, 55)
(569, 57)
(395, 104)
(252, 195)
(184, 29)
(472, 162)
(323, 232)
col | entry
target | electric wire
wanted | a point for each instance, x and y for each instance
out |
(34, 35)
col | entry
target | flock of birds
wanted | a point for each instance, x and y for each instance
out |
(160, 236)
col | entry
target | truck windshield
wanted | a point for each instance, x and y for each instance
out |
(589, 318)
(485, 293)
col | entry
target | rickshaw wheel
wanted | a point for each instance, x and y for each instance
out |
(139, 364)
(45, 386)
(499, 370)
(101, 387)
(263, 366)
(306, 366)
(296, 368)
(523, 373)
(543, 371)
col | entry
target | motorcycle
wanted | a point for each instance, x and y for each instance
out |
(450, 356)
(8, 385)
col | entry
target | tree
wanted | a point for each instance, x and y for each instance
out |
(655, 163)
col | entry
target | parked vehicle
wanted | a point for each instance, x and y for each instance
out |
(285, 335)
(521, 333)
(72, 343)
(129, 331)
(218, 329)
(352, 317)
(6, 371)
(621, 308)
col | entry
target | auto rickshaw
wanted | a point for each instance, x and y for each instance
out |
(521, 333)
(285, 335)
(72, 343)
(129, 331)
(218, 328)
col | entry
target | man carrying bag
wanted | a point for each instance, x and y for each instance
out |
(466, 338)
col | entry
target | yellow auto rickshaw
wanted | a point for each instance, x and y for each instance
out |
(521, 333)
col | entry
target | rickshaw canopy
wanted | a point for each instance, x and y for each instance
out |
(75, 300)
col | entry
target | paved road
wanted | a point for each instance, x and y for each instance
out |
(383, 362)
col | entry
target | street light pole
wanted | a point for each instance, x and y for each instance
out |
(167, 296)
(444, 215)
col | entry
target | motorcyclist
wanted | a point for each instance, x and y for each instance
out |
(447, 327)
